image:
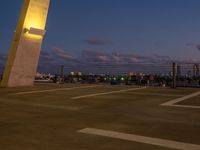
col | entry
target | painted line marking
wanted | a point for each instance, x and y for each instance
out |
(174, 101)
(40, 105)
(185, 106)
(106, 93)
(141, 139)
(58, 89)
(155, 94)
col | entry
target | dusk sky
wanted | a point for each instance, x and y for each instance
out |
(104, 36)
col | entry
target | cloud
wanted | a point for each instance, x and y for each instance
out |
(117, 58)
(191, 44)
(161, 56)
(53, 59)
(188, 61)
(198, 47)
(96, 57)
(46, 56)
(120, 58)
(98, 41)
(61, 53)
(104, 62)
(93, 56)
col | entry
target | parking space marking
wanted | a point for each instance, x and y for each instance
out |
(186, 106)
(141, 139)
(157, 94)
(174, 101)
(107, 93)
(58, 89)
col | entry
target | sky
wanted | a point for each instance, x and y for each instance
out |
(112, 36)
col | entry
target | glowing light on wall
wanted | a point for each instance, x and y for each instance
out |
(34, 33)
(35, 21)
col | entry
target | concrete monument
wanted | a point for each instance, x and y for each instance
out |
(22, 62)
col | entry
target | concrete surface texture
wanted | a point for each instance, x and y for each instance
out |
(49, 120)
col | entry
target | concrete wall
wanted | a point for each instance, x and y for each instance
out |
(21, 66)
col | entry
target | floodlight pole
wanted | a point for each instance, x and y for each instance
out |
(174, 75)
(62, 73)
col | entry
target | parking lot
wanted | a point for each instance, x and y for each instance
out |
(99, 117)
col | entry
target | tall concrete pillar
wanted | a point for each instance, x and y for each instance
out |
(22, 62)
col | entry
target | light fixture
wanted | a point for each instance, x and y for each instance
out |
(35, 31)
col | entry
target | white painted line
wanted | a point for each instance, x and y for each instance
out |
(156, 94)
(186, 106)
(106, 93)
(15, 102)
(174, 101)
(58, 89)
(141, 139)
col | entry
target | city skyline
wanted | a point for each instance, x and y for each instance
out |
(112, 36)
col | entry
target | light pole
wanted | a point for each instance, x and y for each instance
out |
(174, 75)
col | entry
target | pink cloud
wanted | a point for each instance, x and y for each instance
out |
(134, 60)
(61, 53)
(103, 58)
(95, 56)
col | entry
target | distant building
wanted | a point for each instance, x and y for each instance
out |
(196, 70)
(170, 73)
(189, 73)
(76, 73)
(44, 76)
(131, 74)
(178, 71)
